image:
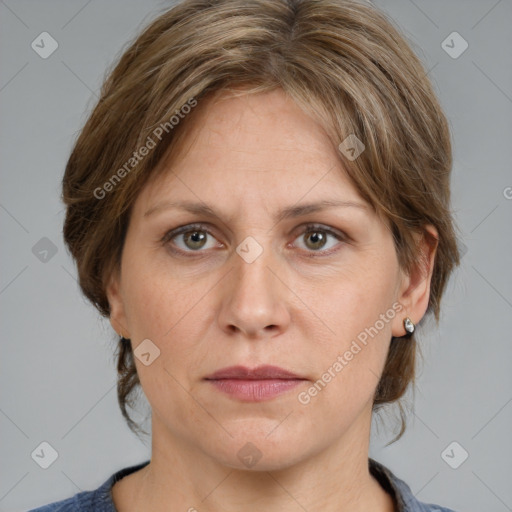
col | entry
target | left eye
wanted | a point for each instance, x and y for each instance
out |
(316, 238)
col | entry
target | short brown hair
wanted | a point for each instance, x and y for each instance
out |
(342, 61)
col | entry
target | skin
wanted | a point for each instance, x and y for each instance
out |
(208, 308)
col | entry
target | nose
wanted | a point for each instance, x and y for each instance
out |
(254, 298)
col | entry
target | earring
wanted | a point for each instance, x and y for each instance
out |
(409, 327)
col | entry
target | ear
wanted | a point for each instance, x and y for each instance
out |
(414, 290)
(116, 303)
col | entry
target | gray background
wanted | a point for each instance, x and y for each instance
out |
(57, 365)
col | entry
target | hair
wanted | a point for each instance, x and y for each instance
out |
(342, 61)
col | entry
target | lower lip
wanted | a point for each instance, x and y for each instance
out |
(255, 390)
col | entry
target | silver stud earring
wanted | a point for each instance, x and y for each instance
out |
(409, 327)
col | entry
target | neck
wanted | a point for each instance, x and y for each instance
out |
(180, 477)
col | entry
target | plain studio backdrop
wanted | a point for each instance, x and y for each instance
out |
(57, 367)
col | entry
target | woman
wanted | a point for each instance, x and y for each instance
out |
(260, 205)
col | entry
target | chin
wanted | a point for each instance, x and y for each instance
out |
(261, 446)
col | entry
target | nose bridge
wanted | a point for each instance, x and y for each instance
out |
(252, 264)
(254, 300)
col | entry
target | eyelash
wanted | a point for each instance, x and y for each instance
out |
(308, 228)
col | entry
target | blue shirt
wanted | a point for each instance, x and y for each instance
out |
(100, 500)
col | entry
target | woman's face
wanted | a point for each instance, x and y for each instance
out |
(317, 292)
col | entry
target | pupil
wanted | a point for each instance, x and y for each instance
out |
(196, 237)
(316, 237)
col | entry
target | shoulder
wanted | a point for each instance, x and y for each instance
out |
(98, 500)
(66, 505)
(412, 504)
(83, 501)
(402, 493)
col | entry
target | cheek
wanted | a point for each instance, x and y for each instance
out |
(357, 316)
(174, 314)
(352, 300)
(157, 302)
(163, 311)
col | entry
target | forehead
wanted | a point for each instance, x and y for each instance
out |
(256, 146)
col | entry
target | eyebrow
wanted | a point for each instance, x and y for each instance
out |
(286, 213)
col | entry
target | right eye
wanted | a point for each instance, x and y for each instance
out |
(188, 239)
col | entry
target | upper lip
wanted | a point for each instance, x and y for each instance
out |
(258, 373)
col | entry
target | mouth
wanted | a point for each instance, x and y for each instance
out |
(254, 385)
